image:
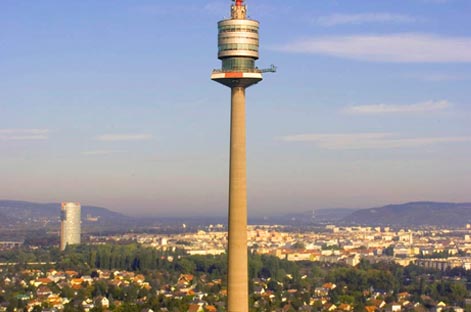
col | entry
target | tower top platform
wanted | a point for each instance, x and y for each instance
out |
(238, 44)
(236, 79)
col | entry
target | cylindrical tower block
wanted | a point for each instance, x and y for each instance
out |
(238, 37)
(238, 41)
(70, 224)
(237, 251)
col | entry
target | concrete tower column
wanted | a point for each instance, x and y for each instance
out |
(237, 251)
(238, 44)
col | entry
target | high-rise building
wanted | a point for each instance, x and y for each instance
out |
(70, 224)
(238, 50)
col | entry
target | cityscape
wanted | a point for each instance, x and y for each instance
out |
(347, 186)
(316, 266)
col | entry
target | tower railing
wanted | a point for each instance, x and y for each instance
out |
(237, 70)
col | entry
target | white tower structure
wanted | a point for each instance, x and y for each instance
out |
(70, 224)
(238, 50)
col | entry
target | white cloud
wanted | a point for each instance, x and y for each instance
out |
(342, 19)
(429, 106)
(399, 48)
(23, 134)
(123, 137)
(98, 153)
(370, 140)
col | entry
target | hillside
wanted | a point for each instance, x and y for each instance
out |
(31, 215)
(413, 214)
(22, 209)
(318, 216)
(28, 215)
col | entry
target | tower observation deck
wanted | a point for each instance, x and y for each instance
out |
(238, 49)
(238, 45)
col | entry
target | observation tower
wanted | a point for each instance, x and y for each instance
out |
(238, 50)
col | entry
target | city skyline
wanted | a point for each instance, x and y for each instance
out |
(110, 104)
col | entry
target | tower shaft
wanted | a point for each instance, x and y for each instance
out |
(238, 44)
(237, 250)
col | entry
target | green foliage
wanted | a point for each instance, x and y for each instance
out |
(330, 247)
(41, 238)
(298, 245)
(388, 251)
(354, 284)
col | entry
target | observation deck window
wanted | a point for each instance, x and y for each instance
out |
(238, 46)
(235, 63)
(238, 28)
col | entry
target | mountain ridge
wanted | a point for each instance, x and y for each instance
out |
(414, 214)
(16, 211)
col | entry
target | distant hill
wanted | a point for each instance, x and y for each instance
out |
(28, 215)
(13, 211)
(39, 222)
(413, 214)
(318, 216)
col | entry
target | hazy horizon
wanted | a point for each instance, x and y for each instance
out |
(110, 103)
(222, 213)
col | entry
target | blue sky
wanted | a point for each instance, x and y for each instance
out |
(110, 103)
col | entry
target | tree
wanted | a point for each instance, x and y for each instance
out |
(298, 245)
